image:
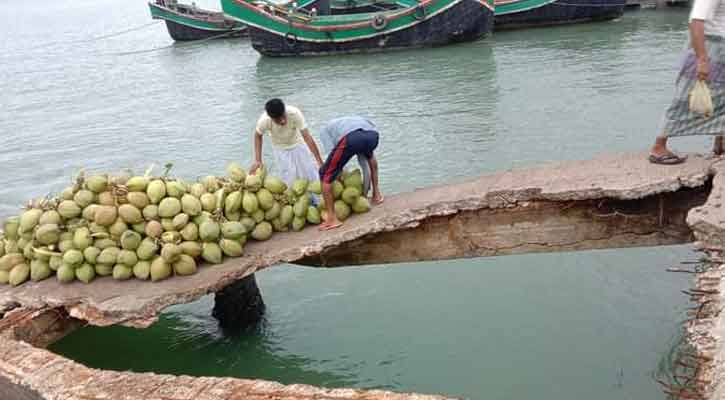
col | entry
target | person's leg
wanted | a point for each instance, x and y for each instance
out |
(660, 154)
(717, 146)
(329, 171)
(377, 196)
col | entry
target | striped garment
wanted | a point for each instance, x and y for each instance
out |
(678, 120)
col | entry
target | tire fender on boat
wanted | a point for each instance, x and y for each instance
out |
(420, 13)
(379, 22)
(290, 39)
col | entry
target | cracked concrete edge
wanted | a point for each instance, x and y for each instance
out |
(40, 374)
(707, 334)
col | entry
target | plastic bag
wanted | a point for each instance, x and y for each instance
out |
(701, 100)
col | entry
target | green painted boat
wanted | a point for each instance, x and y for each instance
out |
(188, 22)
(304, 29)
(511, 14)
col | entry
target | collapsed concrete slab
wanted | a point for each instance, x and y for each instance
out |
(611, 201)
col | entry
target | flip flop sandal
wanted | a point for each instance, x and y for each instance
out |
(667, 159)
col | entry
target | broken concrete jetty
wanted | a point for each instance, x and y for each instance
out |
(612, 201)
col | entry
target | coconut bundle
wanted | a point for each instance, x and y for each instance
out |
(153, 228)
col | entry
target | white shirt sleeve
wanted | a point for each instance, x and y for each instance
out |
(264, 124)
(703, 9)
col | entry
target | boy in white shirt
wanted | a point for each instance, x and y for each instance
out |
(294, 147)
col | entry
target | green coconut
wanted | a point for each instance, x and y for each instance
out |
(97, 183)
(106, 199)
(258, 216)
(211, 253)
(211, 183)
(65, 245)
(190, 231)
(122, 272)
(337, 189)
(139, 228)
(4, 277)
(156, 191)
(197, 190)
(8, 261)
(361, 205)
(298, 223)
(104, 243)
(235, 216)
(130, 240)
(127, 258)
(286, 215)
(279, 226)
(85, 273)
(208, 202)
(140, 200)
(19, 274)
(274, 185)
(273, 212)
(353, 179)
(265, 199)
(191, 248)
(185, 265)
(89, 213)
(168, 224)
(29, 220)
(233, 230)
(313, 215)
(39, 270)
(137, 183)
(117, 229)
(250, 203)
(315, 187)
(151, 212)
(84, 198)
(248, 223)
(253, 183)
(170, 252)
(262, 231)
(147, 249)
(180, 221)
(142, 270)
(56, 261)
(108, 256)
(11, 227)
(43, 253)
(48, 234)
(301, 206)
(231, 248)
(190, 205)
(350, 195)
(175, 189)
(50, 217)
(299, 186)
(171, 237)
(28, 251)
(342, 210)
(105, 215)
(209, 231)
(82, 238)
(169, 207)
(66, 273)
(236, 172)
(73, 257)
(67, 193)
(219, 198)
(103, 269)
(233, 202)
(90, 254)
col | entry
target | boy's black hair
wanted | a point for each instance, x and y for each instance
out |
(275, 108)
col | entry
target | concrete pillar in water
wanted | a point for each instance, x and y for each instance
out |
(239, 305)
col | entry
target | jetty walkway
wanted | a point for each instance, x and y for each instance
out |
(612, 201)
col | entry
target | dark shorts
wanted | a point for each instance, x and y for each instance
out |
(354, 143)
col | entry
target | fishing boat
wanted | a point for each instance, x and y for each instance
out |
(513, 14)
(312, 28)
(188, 22)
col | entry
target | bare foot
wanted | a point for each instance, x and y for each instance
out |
(326, 226)
(377, 200)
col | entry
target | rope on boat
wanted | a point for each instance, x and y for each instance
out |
(97, 37)
(176, 45)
